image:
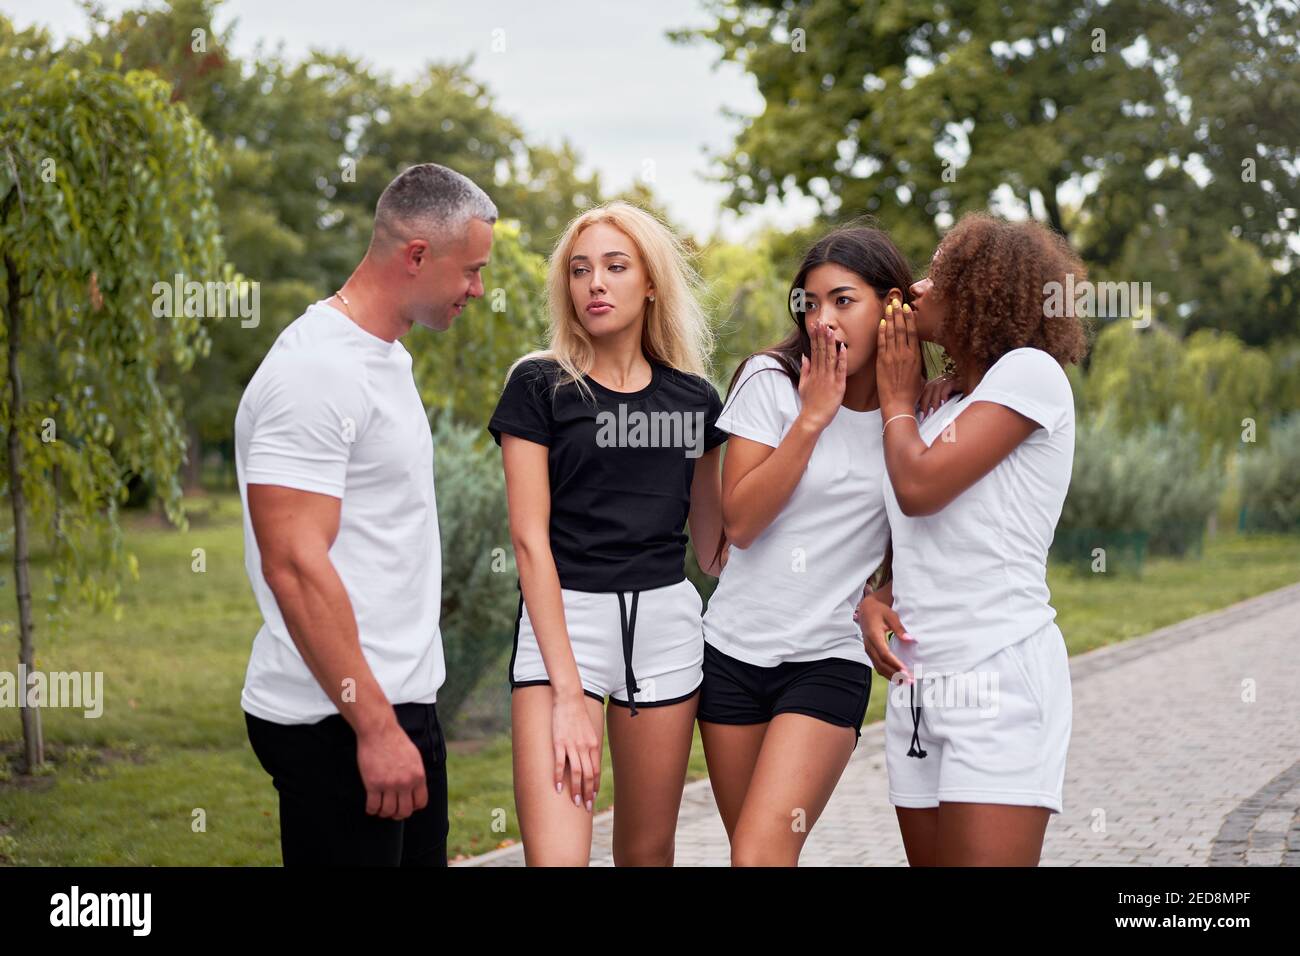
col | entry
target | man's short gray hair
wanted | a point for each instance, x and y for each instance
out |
(431, 202)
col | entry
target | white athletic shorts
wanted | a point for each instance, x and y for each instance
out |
(652, 640)
(995, 734)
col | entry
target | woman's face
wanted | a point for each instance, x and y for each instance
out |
(841, 298)
(608, 281)
(928, 308)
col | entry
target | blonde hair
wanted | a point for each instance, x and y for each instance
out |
(675, 331)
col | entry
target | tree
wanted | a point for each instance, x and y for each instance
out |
(308, 147)
(106, 188)
(920, 111)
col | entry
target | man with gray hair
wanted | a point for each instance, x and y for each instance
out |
(335, 463)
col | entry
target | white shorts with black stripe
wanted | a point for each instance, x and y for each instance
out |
(662, 627)
(998, 733)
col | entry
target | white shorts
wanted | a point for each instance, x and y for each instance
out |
(661, 627)
(995, 734)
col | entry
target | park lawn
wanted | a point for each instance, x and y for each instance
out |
(127, 788)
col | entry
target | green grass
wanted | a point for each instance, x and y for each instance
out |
(123, 789)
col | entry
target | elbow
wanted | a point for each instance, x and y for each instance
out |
(738, 536)
(282, 572)
(529, 548)
(911, 501)
(915, 503)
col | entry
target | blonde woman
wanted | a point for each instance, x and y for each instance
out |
(609, 448)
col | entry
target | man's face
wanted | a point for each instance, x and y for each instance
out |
(447, 280)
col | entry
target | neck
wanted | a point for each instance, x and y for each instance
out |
(370, 303)
(969, 379)
(860, 393)
(618, 359)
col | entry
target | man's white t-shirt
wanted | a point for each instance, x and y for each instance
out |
(971, 579)
(334, 409)
(791, 594)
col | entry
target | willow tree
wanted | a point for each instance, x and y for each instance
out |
(105, 190)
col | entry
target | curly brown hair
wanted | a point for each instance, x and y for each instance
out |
(992, 277)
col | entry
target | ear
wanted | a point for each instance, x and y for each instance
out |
(417, 252)
(894, 295)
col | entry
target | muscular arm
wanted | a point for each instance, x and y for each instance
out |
(294, 531)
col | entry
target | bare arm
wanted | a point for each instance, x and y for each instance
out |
(758, 480)
(528, 492)
(927, 478)
(294, 531)
(706, 511)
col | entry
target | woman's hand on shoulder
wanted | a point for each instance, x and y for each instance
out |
(936, 391)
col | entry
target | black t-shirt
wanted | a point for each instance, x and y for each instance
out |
(620, 469)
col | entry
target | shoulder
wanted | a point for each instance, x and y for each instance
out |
(1032, 382)
(697, 386)
(1030, 366)
(311, 354)
(765, 373)
(760, 361)
(537, 370)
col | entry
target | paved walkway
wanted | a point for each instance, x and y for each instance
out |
(1185, 751)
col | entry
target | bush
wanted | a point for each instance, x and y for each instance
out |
(1270, 493)
(479, 598)
(1145, 490)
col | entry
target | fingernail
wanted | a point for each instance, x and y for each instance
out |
(588, 806)
(577, 800)
(559, 787)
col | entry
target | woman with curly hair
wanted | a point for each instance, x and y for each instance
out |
(979, 712)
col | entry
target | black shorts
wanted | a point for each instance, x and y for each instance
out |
(323, 819)
(835, 690)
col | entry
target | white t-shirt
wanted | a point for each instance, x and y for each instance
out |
(333, 409)
(971, 579)
(790, 595)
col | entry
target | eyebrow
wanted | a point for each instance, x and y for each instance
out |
(607, 255)
(842, 288)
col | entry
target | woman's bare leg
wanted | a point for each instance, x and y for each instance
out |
(920, 829)
(991, 834)
(555, 830)
(650, 753)
(731, 751)
(800, 763)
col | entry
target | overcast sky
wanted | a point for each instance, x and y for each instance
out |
(601, 74)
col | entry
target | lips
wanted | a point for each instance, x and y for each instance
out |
(599, 307)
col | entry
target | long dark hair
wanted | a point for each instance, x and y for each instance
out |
(868, 253)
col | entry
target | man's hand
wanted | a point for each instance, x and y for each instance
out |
(393, 772)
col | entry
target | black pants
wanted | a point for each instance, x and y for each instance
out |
(323, 819)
